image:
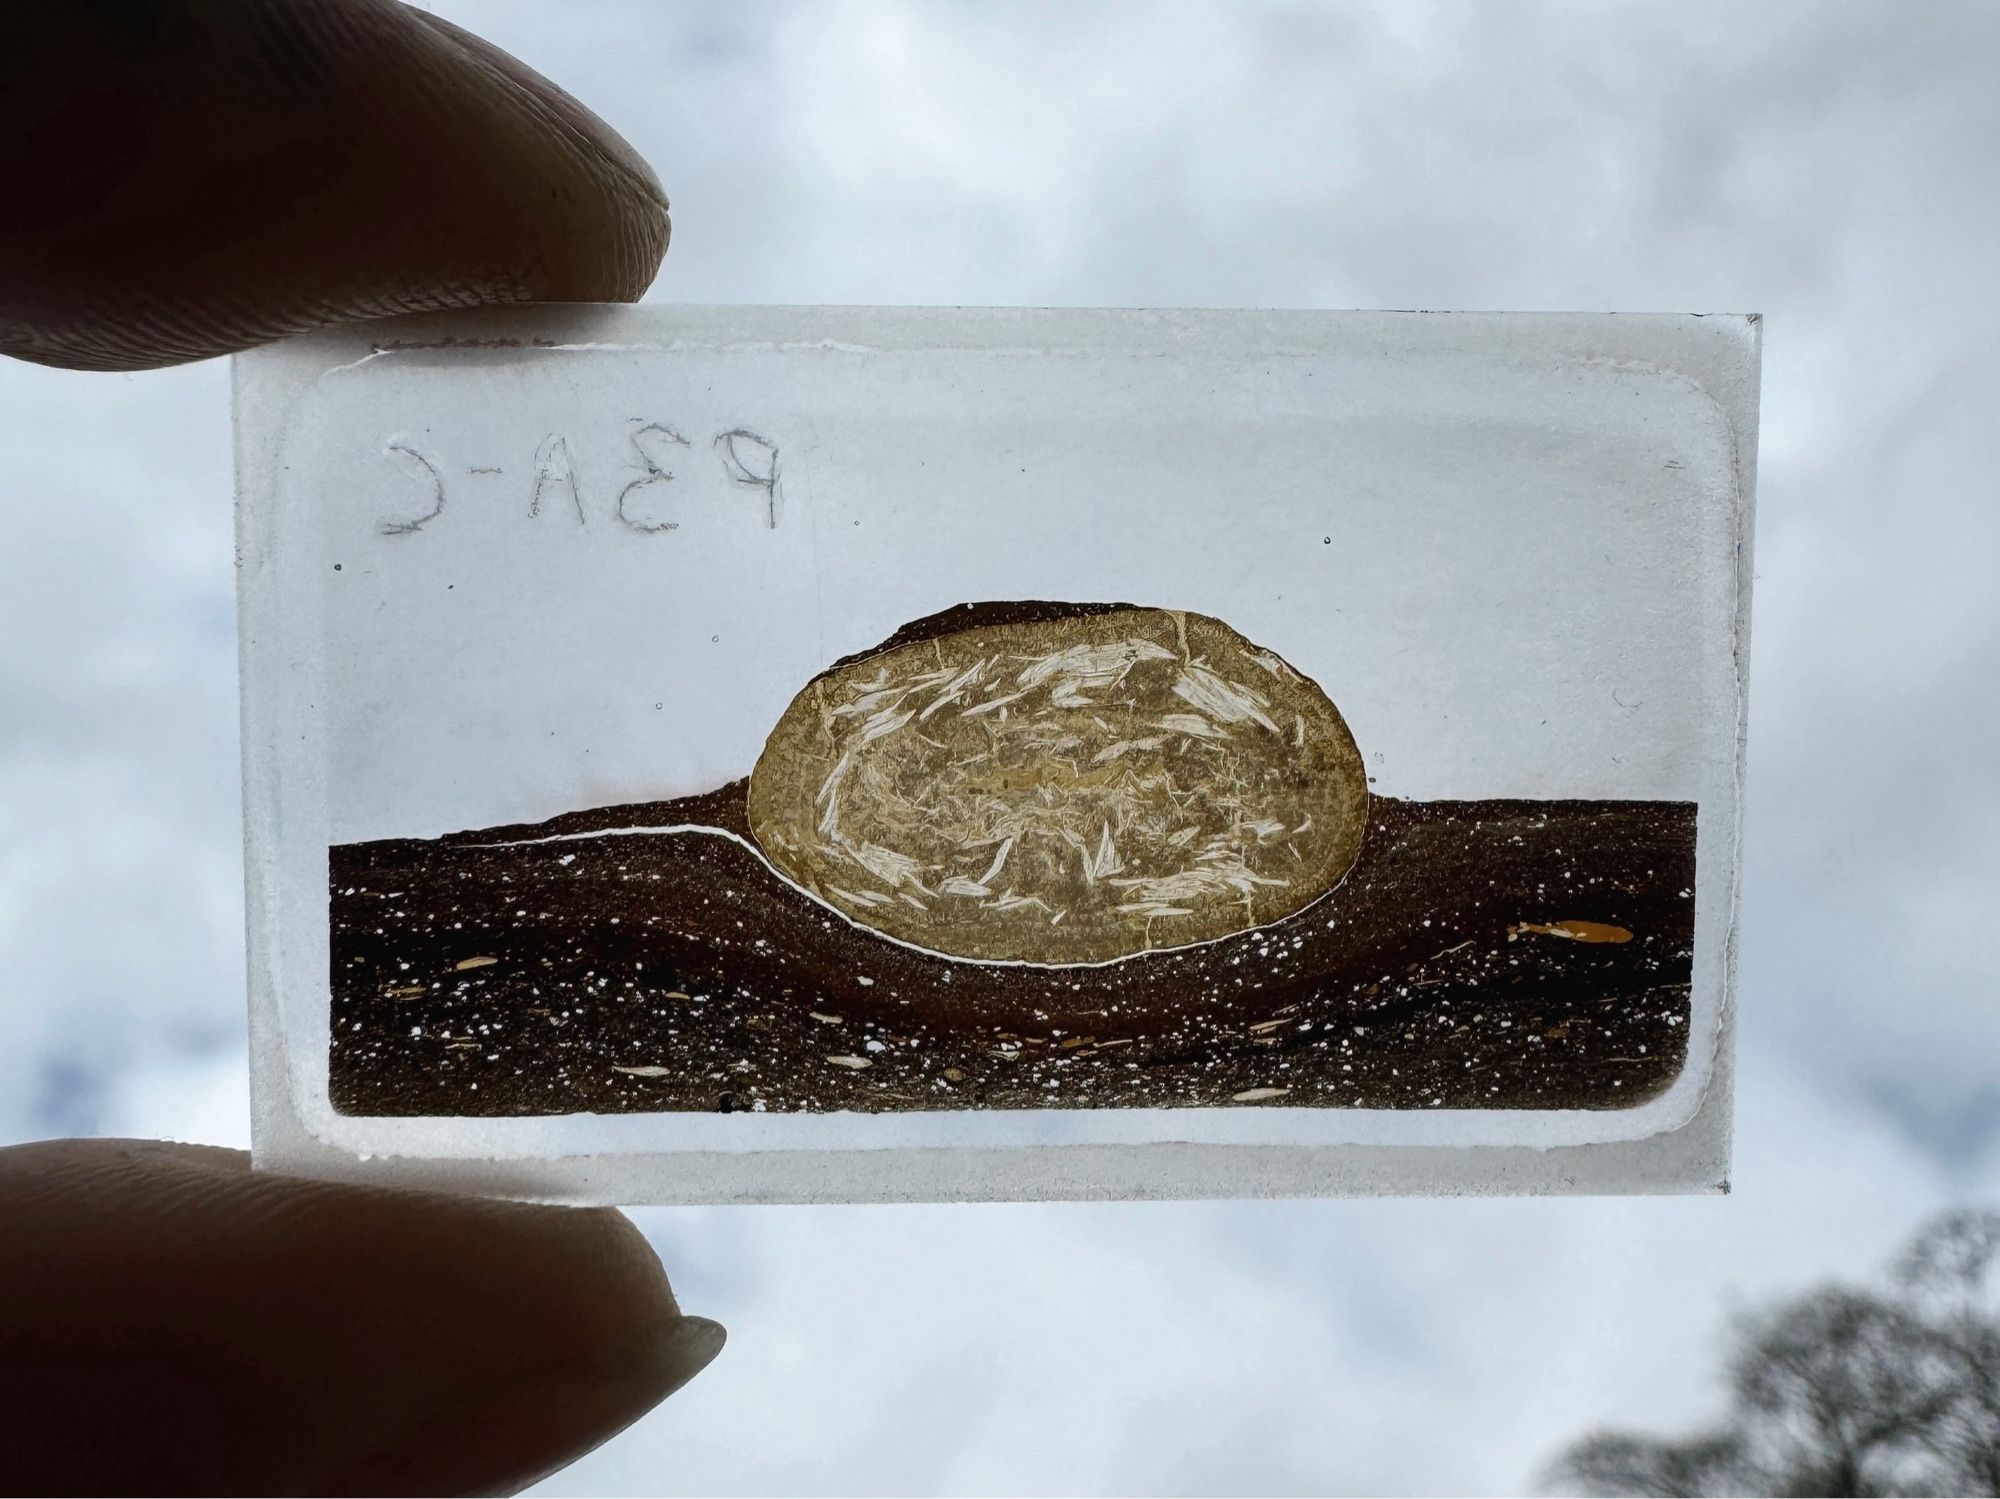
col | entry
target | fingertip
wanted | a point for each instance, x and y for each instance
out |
(588, 127)
(173, 1312)
(239, 170)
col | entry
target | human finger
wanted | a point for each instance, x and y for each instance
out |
(174, 1322)
(190, 177)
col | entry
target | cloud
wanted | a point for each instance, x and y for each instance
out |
(1828, 167)
(120, 871)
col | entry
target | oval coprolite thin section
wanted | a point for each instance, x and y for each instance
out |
(1065, 784)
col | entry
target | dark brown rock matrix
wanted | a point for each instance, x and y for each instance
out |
(1479, 954)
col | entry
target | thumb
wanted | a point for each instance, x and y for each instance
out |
(174, 1322)
(190, 177)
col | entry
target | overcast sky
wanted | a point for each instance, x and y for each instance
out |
(1830, 166)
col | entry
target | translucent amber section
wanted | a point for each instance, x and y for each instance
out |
(1070, 789)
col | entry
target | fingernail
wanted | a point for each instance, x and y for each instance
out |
(689, 1347)
(514, 1438)
(612, 146)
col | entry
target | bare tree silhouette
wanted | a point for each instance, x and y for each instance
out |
(1844, 1390)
